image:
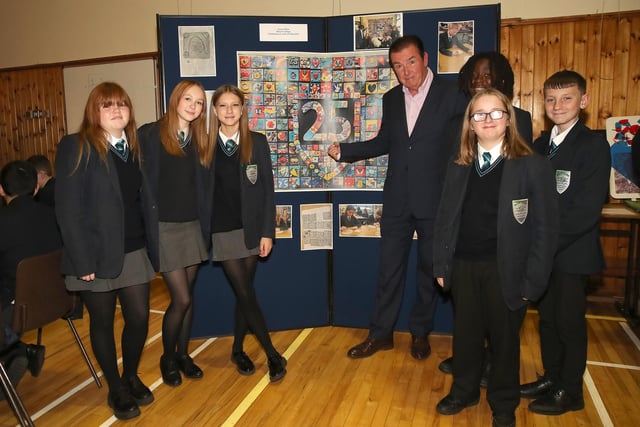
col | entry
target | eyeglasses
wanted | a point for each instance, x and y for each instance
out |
(111, 105)
(481, 117)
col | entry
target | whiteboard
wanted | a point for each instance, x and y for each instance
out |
(138, 78)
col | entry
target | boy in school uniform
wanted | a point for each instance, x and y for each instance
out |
(582, 162)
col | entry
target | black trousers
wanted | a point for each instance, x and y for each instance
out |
(481, 312)
(397, 238)
(563, 330)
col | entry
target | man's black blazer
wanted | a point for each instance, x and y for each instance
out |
(417, 162)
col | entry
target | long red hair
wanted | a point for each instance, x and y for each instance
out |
(91, 133)
(198, 128)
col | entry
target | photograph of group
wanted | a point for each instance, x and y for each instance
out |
(360, 220)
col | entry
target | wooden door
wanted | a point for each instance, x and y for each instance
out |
(32, 117)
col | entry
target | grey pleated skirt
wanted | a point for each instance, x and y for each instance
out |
(230, 245)
(181, 245)
(136, 270)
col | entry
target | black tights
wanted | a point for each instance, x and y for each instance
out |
(176, 324)
(248, 315)
(134, 301)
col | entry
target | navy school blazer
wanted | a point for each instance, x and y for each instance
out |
(91, 215)
(149, 137)
(525, 245)
(257, 198)
(582, 164)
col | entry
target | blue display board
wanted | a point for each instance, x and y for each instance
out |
(297, 288)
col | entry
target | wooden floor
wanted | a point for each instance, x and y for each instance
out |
(323, 387)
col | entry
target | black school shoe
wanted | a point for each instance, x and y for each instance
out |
(123, 404)
(557, 402)
(536, 389)
(244, 365)
(450, 405)
(446, 366)
(140, 392)
(170, 371)
(188, 368)
(277, 369)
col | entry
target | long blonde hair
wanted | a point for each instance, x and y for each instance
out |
(246, 142)
(513, 146)
(197, 128)
(91, 133)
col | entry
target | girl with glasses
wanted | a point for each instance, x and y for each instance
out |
(495, 236)
(103, 205)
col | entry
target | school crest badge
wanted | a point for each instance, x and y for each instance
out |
(520, 209)
(563, 179)
(252, 173)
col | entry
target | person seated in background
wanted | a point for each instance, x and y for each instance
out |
(46, 195)
(367, 218)
(348, 219)
(27, 229)
(377, 217)
(46, 181)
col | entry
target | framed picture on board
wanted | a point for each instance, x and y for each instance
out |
(625, 183)
(376, 31)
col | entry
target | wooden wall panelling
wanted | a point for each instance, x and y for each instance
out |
(567, 50)
(32, 119)
(605, 49)
(633, 89)
(527, 75)
(7, 117)
(555, 60)
(592, 70)
(603, 104)
(580, 46)
(621, 72)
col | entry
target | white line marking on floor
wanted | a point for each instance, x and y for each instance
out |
(597, 400)
(614, 365)
(632, 336)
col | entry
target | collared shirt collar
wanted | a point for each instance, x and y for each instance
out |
(559, 137)
(235, 137)
(113, 140)
(496, 152)
(413, 103)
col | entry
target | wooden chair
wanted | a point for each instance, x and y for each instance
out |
(41, 298)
